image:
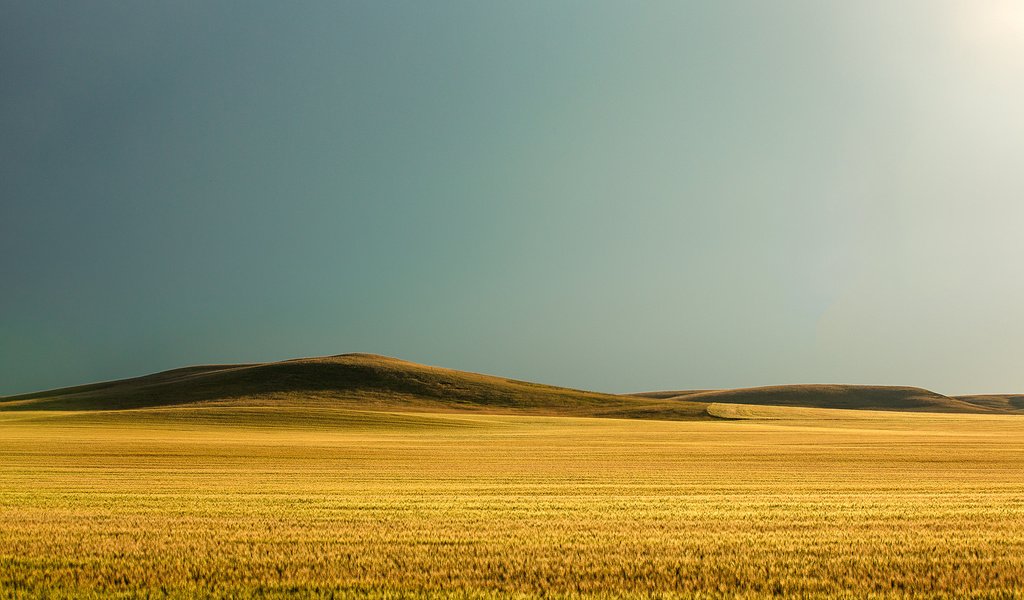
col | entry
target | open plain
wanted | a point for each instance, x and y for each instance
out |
(222, 499)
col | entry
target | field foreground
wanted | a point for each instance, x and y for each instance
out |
(258, 501)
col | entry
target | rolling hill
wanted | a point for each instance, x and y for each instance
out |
(372, 382)
(356, 381)
(1000, 402)
(862, 397)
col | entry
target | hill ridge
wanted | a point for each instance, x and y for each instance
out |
(352, 380)
(371, 381)
(845, 396)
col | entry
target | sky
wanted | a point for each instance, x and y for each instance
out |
(605, 195)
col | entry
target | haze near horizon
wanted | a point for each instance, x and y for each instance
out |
(609, 197)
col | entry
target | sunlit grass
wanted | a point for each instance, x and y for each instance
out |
(263, 502)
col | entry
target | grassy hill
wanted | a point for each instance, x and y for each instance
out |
(863, 397)
(998, 402)
(355, 381)
(379, 383)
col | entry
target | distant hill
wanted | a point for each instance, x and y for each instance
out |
(863, 397)
(372, 382)
(1001, 402)
(360, 381)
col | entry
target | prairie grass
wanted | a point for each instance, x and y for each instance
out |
(265, 502)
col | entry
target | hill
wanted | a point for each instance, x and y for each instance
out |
(358, 381)
(1001, 402)
(863, 397)
(372, 382)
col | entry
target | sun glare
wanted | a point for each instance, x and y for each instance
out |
(995, 26)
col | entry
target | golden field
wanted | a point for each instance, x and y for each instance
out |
(263, 501)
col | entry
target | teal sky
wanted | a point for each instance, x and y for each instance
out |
(607, 195)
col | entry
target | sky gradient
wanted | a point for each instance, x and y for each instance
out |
(603, 195)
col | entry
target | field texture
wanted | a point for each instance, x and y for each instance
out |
(258, 501)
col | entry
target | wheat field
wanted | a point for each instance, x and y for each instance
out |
(264, 502)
